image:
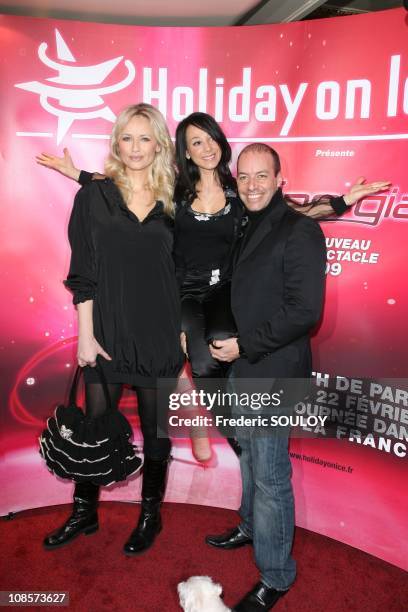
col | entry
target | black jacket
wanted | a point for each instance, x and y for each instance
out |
(277, 293)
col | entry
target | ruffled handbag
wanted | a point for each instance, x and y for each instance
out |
(94, 450)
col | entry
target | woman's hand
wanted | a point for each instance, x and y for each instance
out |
(88, 350)
(361, 189)
(64, 165)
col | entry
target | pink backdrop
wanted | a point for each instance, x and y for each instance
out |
(332, 97)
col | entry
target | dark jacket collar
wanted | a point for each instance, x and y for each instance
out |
(276, 211)
(276, 206)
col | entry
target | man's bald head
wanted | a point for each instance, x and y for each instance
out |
(258, 175)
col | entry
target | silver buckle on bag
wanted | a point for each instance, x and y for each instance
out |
(65, 432)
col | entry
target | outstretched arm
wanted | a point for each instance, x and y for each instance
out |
(327, 206)
(66, 167)
(64, 164)
(361, 190)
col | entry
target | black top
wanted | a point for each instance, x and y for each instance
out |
(126, 267)
(204, 242)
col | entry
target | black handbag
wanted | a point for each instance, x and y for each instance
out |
(94, 450)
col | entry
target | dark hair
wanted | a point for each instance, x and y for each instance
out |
(261, 147)
(188, 173)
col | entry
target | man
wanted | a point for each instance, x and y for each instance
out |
(277, 297)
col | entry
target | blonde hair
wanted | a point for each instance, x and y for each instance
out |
(161, 174)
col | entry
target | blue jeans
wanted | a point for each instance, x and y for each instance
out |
(267, 504)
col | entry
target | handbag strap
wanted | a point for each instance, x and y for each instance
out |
(75, 382)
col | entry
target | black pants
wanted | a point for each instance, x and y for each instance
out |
(207, 316)
(149, 411)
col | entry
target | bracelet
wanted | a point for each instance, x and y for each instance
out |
(338, 205)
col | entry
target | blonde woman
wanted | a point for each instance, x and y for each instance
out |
(123, 282)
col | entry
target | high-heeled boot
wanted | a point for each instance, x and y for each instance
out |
(84, 517)
(149, 524)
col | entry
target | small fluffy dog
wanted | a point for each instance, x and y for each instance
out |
(201, 594)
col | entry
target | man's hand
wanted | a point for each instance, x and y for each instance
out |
(361, 189)
(64, 165)
(225, 350)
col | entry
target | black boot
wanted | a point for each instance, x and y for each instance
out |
(84, 518)
(149, 524)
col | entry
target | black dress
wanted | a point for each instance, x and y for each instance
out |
(126, 267)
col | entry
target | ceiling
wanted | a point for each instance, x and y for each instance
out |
(192, 12)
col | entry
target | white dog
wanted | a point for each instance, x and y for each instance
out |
(201, 594)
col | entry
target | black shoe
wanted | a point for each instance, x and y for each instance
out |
(233, 538)
(260, 598)
(84, 517)
(149, 524)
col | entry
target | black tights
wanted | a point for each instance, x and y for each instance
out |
(154, 447)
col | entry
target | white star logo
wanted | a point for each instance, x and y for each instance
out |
(77, 94)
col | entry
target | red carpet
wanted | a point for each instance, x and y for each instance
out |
(331, 576)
